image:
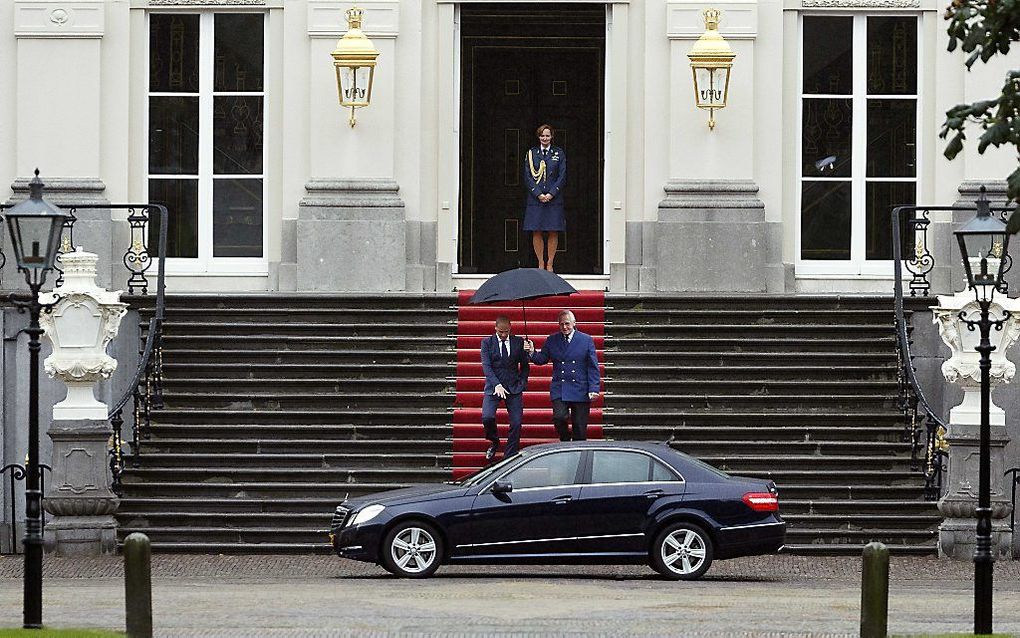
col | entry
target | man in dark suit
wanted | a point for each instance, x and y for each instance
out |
(575, 379)
(505, 364)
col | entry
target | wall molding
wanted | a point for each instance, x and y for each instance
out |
(326, 18)
(73, 19)
(739, 20)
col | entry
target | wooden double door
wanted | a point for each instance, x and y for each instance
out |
(522, 66)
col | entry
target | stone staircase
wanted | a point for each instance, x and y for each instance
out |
(279, 406)
(801, 390)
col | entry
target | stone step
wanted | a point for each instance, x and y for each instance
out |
(701, 448)
(817, 403)
(791, 357)
(350, 354)
(383, 433)
(660, 421)
(242, 444)
(837, 535)
(245, 302)
(176, 385)
(781, 316)
(225, 507)
(752, 302)
(692, 373)
(423, 470)
(305, 314)
(805, 343)
(908, 486)
(861, 522)
(287, 463)
(424, 347)
(259, 536)
(853, 507)
(314, 331)
(814, 464)
(333, 416)
(264, 400)
(371, 371)
(144, 486)
(854, 549)
(752, 332)
(621, 387)
(740, 433)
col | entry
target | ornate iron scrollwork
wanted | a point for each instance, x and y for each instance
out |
(66, 243)
(137, 259)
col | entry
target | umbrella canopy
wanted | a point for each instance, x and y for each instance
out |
(521, 283)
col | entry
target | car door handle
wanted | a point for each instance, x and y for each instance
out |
(654, 493)
(562, 500)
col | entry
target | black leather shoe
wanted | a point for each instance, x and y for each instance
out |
(491, 452)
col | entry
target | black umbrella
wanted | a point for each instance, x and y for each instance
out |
(520, 284)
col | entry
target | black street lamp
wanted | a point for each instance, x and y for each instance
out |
(35, 226)
(984, 244)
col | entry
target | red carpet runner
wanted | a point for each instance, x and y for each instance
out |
(474, 323)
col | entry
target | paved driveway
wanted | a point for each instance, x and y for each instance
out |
(278, 596)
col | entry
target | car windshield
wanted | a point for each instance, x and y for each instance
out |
(487, 472)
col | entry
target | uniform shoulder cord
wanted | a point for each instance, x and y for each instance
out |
(536, 174)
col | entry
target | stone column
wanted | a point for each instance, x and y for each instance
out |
(351, 236)
(957, 532)
(711, 236)
(83, 321)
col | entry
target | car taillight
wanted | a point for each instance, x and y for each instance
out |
(762, 501)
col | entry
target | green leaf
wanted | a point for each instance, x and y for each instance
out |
(955, 146)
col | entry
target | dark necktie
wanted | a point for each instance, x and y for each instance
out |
(504, 349)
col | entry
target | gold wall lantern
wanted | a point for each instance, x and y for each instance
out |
(711, 61)
(354, 59)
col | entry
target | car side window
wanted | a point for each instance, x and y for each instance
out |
(558, 468)
(619, 467)
(662, 473)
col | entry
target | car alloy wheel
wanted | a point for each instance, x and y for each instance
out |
(412, 550)
(682, 551)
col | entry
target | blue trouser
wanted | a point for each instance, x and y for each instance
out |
(515, 409)
(579, 416)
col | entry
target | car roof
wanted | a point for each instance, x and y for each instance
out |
(648, 446)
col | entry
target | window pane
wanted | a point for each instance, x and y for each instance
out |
(237, 218)
(173, 52)
(826, 137)
(239, 43)
(619, 467)
(828, 55)
(825, 220)
(882, 198)
(237, 135)
(892, 56)
(173, 135)
(180, 196)
(661, 473)
(892, 138)
(559, 468)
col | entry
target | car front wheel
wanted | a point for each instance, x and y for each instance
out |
(412, 549)
(682, 552)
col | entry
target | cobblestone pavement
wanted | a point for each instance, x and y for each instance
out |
(301, 596)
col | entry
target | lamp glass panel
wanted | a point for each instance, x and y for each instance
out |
(354, 85)
(35, 241)
(985, 244)
(711, 86)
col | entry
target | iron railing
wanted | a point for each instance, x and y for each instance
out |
(145, 390)
(1014, 481)
(19, 473)
(925, 429)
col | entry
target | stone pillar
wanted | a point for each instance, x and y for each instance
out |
(957, 532)
(351, 236)
(711, 236)
(83, 321)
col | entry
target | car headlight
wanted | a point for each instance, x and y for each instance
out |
(367, 514)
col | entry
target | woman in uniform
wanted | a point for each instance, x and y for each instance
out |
(545, 175)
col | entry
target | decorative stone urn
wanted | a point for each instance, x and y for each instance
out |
(83, 321)
(957, 532)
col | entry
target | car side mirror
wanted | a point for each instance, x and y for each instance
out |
(501, 487)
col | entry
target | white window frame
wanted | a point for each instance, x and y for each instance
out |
(206, 263)
(858, 265)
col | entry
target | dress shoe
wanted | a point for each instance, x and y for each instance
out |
(491, 452)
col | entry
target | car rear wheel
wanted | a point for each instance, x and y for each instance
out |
(682, 552)
(412, 549)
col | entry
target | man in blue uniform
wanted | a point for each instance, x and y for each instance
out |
(575, 378)
(505, 364)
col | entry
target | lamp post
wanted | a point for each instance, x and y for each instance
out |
(984, 244)
(354, 59)
(35, 226)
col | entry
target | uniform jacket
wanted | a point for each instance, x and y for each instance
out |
(512, 372)
(575, 366)
(554, 180)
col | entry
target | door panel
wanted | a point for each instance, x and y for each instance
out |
(511, 523)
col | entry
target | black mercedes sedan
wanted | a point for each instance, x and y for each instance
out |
(594, 502)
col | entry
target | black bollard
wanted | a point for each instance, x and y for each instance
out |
(138, 585)
(875, 591)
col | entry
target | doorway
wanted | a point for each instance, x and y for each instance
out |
(523, 65)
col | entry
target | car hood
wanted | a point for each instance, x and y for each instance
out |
(427, 492)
